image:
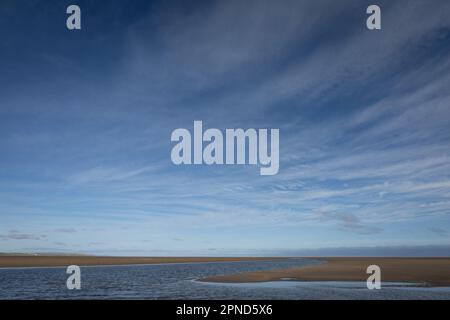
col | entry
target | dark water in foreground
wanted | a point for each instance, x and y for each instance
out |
(178, 281)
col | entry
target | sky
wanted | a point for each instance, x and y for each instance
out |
(86, 118)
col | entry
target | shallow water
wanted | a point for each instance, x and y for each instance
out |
(179, 281)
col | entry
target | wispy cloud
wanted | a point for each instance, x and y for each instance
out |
(66, 230)
(108, 174)
(22, 236)
(438, 231)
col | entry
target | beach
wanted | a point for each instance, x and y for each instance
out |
(424, 271)
(23, 261)
(184, 278)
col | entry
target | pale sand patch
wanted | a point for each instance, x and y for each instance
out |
(429, 271)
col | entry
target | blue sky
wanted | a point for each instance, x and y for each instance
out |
(86, 118)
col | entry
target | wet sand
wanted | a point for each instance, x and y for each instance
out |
(11, 261)
(426, 271)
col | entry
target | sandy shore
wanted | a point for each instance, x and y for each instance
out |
(428, 271)
(11, 261)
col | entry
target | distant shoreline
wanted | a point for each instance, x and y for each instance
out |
(425, 271)
(34, 261)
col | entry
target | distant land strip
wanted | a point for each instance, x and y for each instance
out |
(423, 271)
(23, 260)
